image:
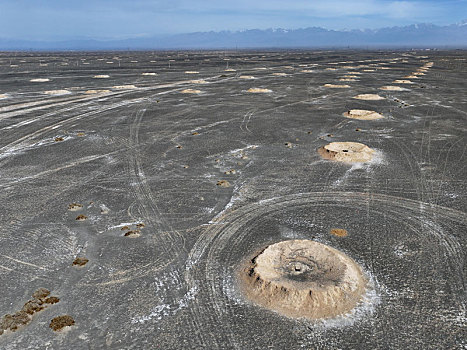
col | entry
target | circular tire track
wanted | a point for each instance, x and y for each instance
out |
(425, 256)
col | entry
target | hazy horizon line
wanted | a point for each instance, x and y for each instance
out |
(149, 36)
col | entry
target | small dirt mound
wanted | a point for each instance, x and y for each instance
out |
(339, 232)
(75, 207)
(348, 152)
(60, 322)
(362, 114)
(336, 86)
(101, 76)
(133, 233)
(392, 88)
(190, 91)
(81, 217)
(80, 261)
(369, 97)
(124, 87)
(57, 92)
(223, 183)
(39, 80)
(91, 92)
(258, 90)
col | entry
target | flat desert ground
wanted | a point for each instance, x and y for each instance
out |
(136, 186)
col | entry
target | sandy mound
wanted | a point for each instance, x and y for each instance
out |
(101, 76)
(96, 91)
(418, 73)
(362, 114)
(347, 79)
(247, 77)
(258, 90)
(229, 70)
(279, 74)
(350, 76)
(369, 97)
(402, 81)
(349, 152)
(39, 80)
(57, 92)
(410, 77)
(392, 88)
(191, 72)
(335, 86)
(149, 73)
(306, 71)
(369, 70)
(303, 278)
(124, 87)
(190, 91)
(2, 96)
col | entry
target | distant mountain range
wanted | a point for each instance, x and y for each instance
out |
(416, 36)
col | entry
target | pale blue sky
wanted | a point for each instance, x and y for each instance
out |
(105, 19)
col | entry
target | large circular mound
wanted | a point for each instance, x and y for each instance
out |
(303, 278)
(362, 114)
(349, 152)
